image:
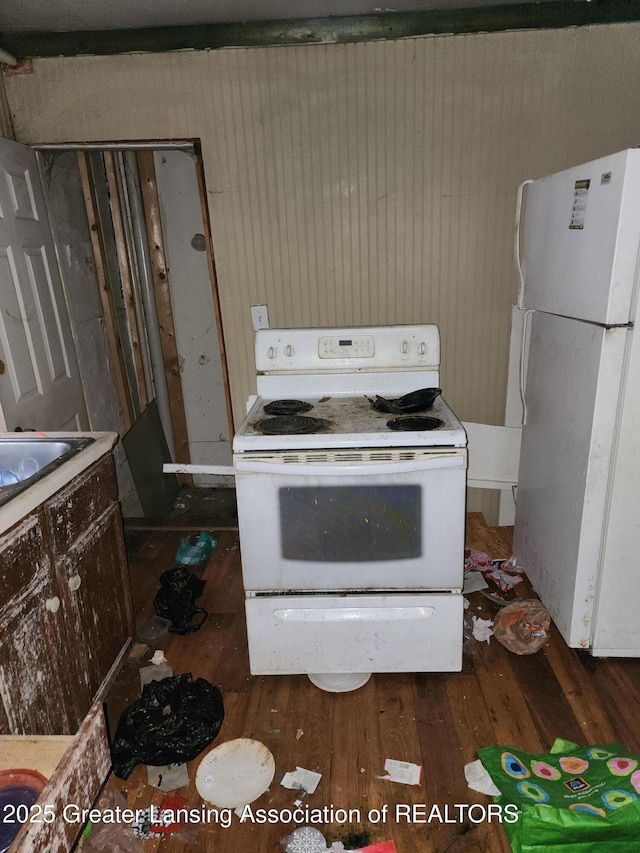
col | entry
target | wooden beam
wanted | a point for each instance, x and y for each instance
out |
(165, 312)
(390, 25)
(105, 294)
(127, 284)
(206, 228)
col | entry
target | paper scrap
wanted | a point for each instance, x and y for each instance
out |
(473, 581)
(402, 771)
(482, 629)
(478, 779)
(503, 579)
(301, 780)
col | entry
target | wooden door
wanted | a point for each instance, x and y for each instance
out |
(40, 385)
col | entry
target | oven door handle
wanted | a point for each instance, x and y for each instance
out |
(328, 469)
(352, 614)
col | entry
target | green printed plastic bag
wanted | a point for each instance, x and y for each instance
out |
(572, 800)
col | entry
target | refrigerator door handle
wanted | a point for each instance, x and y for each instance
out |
(517, 240)
(523, 362)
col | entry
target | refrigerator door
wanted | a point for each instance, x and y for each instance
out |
(580, 238)
(572, 390)
(617, 629)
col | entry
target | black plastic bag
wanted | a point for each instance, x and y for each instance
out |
(172, 722)
(176, 600)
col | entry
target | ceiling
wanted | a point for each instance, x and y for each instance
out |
(41, 28)
(81, 15)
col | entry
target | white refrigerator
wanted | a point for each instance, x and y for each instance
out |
(577, 522)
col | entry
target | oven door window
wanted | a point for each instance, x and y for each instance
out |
(337, 524)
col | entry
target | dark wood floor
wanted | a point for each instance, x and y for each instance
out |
(435, 720)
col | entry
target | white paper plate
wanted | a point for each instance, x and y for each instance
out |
(235, 773)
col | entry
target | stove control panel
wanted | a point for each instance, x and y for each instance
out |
(351, 346)
(370, 348)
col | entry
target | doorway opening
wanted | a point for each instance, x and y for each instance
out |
(131, 227)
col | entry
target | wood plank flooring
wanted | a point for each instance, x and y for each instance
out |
(434, 720)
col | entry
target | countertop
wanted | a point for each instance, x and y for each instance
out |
(27, 501)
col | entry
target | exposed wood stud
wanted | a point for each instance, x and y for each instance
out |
(165, 312)
(105, 296)
(127, 283)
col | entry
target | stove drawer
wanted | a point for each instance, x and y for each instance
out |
(355, 633)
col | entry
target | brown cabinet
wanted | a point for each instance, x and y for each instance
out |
(65, 606)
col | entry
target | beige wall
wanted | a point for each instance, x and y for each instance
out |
(363, 183)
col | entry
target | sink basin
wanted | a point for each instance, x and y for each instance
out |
(24, 461)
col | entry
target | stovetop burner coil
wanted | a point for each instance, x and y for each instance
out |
(287, 407)
(290, 425)
(414, 423)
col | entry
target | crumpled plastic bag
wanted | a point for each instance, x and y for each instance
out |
(111, 837)
(522, 626)
(172, 722)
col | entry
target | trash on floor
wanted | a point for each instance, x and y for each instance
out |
(305, 839)
(189, 554)
(502, 578)
(482, 629)
(115, 837)
(176, 600)
(158, 669)
(152, 629)
(167, 777)
(172, 722)
(301, 780)
(166, 821)
(523, 626)
(473, 581)
(402, 771)
(235, 773)
(478, 779)
(589, 796)
(474, 559)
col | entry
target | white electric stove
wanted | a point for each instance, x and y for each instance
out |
(351, 519)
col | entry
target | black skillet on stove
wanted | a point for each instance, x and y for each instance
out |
(414, 401)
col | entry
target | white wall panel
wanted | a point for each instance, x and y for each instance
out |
(363, 183)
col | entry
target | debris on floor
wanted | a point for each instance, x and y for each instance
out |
(482, 629)
(235, 773)
(301, 780)
(523, 626)
(402, 771)
(176, 600)
(168, 777)
(589, 793)
(172, 722)
(189, 554)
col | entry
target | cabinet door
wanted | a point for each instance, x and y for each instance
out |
(98, 611)
(31, 695)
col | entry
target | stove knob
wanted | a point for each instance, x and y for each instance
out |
(271, 353)
(422, 349)
(288, 350)
(404, 347)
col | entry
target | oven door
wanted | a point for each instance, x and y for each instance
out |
(391, 520)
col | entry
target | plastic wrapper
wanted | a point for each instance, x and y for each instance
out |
(523, 626)
(172, 722)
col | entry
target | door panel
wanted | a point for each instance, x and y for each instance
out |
(40, 387)
(573, 377)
